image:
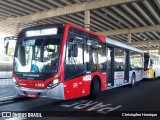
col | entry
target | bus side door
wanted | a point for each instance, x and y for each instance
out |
(110, 66)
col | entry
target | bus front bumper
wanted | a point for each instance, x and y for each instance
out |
(55, 93)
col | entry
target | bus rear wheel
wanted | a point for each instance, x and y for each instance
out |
(95, 89)
(154, 77)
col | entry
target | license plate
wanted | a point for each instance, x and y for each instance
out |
(32, 95)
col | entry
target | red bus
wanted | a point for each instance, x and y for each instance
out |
(62, 61)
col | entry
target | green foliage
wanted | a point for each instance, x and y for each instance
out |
(5, 58)
(11, 51)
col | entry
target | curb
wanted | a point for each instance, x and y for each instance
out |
(8, 98)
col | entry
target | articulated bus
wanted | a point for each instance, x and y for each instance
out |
(151, 66)
(62, 61)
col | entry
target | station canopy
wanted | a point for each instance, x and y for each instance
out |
(114, 18)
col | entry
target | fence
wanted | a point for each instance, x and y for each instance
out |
(5, 78)
(6, 84)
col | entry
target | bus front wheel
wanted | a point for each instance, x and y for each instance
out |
(95, 88)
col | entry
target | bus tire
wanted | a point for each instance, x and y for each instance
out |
(154, 76)
(133, 80)
(94, 89)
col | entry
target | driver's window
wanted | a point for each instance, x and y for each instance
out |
(74, 55)
(74, 60)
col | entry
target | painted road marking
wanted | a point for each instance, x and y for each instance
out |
(100, 107)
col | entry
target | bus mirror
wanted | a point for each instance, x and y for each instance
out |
(75, 50)
(6, 43)
(6, 47)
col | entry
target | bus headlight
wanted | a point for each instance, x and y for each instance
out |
(54, 83)
(15, 82)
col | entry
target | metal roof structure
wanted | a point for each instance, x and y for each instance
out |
(113, 18)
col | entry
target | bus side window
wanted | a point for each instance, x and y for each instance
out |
(93, 56)
(151, 62)
(102, 57)
(119, 59)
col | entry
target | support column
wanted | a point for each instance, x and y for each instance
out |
(17, 29)
(148, 47)
(87, 20)
(159, 52)
(129, 39)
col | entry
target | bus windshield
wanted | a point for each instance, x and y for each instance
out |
(37, 55)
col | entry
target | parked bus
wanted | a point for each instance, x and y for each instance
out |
(151, 66)
(62, 61)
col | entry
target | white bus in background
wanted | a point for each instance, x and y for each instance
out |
(151, 66)
(128, 63)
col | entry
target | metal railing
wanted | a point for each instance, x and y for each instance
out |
(5, 74)
(6, 84)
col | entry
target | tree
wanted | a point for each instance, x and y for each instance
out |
(11, 51)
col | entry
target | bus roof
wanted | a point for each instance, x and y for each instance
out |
(122, 45)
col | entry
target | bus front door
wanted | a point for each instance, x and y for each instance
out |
(127, 67)
(110, 66)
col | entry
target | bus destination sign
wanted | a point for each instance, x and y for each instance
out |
(42, 32)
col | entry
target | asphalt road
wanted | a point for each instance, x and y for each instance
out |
(143, 98)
